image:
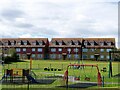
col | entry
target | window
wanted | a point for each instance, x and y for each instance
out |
(76, 56)
(102, 50)
(75, 49)
(92, 50)
(109, 50)
(92, 56)
(69, 43)
(101, 43)
(76, 43)
(53, 56)
(85, 50)
(6, 43)
(39, 49)
(60, 49)
(33, 49)
(60, 43)
(53, 49)
(33, 55)
(40, 55)
(24, 49)
(102, 56)
(19, 43)
(109, 43)
(108, 57)
(24, 56)
(40, 43)
(25, 42)
(69, 49)
(68, 56)
(92, 43)
(85, 43)
(17, 49)
(59, 56)
(34, 43)
(84, 56)
(12, 43)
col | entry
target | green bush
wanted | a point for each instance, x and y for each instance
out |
(13, 58)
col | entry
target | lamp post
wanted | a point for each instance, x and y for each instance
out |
(110, 65)
(82, 46)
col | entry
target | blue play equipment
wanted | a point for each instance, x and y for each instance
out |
(30, 78)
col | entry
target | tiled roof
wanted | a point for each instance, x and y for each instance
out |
(95, 41)
(29, 41)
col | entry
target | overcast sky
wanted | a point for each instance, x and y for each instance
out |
(59, 18)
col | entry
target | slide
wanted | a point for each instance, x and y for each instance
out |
(30, 78)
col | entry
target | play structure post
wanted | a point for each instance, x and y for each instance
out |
(98, 76)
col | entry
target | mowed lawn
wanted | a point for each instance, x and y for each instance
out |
(38, 67)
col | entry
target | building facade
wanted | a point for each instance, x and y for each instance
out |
(58, 48)
(26, 48)
(70, 48)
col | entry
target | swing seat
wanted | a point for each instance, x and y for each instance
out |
(87, 78)
(76, 78)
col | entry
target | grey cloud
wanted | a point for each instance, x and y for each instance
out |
(24, 25)
(11, 14)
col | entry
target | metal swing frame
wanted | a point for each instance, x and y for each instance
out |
(99, 82)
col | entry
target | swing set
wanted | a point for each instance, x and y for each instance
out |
(66, 74)
(82, 70)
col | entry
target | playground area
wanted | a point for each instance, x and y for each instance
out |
(52, 74)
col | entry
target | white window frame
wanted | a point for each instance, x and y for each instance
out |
(107, 50)
(39, 49)
(33, 49)
(85, 50)
(92, 56)
(40, 56)
(18, 49)
(25, 42)
(53, 49)
(102, 50)
(24, 49)
(75, 49)
(60, 49)
(33, 55)
(101, 56)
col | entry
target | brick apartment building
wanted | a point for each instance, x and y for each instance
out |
(36, 48)
(58, 48)
(69, 48)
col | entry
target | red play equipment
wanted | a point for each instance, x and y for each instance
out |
(98, 73)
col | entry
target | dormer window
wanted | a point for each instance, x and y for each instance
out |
(101, 43)
(19, 43)
(6, 43)
(54, 43)
(92, 43)
(40, 43)
(70, 43)
(85, 43)
(75, 49)
(25, 42)
(34, 43)
(76, 43)
(12, 43)
(109, 43)
(60, 43)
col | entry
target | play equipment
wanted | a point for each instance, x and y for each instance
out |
(15, 74)
(86, 78)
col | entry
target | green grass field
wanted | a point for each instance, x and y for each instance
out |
(39, 65)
